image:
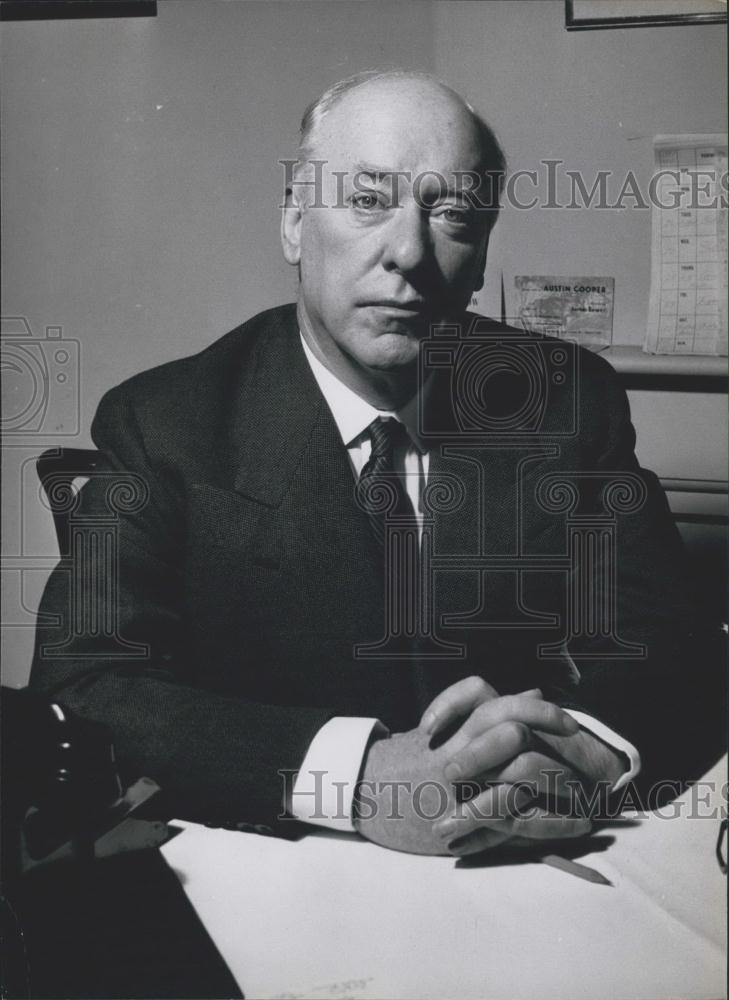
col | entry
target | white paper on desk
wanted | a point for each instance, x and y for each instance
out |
(687, 312)
(333, 916)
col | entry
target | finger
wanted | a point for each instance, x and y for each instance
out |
(525, 708)
(545, 776)
(495, 809)
(480, 840)
(543, 825)
(484, 838)
(488, 751)
(456, 701)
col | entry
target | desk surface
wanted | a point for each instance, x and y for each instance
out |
(334, 916)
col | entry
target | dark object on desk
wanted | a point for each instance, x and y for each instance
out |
(88, 908)
(62, 796)
(120, 927)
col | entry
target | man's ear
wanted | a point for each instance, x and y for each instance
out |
(291, 218)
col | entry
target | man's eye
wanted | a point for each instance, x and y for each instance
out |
(366, 200)
(457, 216)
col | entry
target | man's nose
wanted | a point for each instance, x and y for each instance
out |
(407, 239)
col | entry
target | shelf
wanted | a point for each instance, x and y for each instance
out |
(692, 372)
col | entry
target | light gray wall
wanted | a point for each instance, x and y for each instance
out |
(141, 187)
(141, 175)
(593, 99)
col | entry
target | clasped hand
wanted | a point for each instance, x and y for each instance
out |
(485, 784)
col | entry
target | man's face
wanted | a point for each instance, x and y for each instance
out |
(388, 255)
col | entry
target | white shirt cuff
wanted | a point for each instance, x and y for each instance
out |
(324, 788)
(609, 736)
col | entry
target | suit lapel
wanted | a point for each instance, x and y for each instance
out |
(278, 404)
(290, 455)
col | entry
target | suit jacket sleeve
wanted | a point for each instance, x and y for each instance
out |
(217, 757)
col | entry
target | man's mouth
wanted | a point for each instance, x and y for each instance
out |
(411, 307)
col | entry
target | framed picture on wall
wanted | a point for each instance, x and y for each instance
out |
(583, 15)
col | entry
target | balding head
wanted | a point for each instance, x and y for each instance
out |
(422, 85)
(386, 220)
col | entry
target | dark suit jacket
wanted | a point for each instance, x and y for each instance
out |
(250, 573)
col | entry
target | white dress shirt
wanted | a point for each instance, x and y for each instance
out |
(324, 788)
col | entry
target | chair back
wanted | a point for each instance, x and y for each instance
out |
(57, 469)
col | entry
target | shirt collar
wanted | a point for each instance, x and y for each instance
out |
(351, 413)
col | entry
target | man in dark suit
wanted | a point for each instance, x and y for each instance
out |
(265, 634)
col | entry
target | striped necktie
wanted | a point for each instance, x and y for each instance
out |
(380, 490)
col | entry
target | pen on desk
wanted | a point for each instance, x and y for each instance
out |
(573, 868)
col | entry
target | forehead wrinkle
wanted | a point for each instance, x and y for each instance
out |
(410, 160)
(373, 170)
